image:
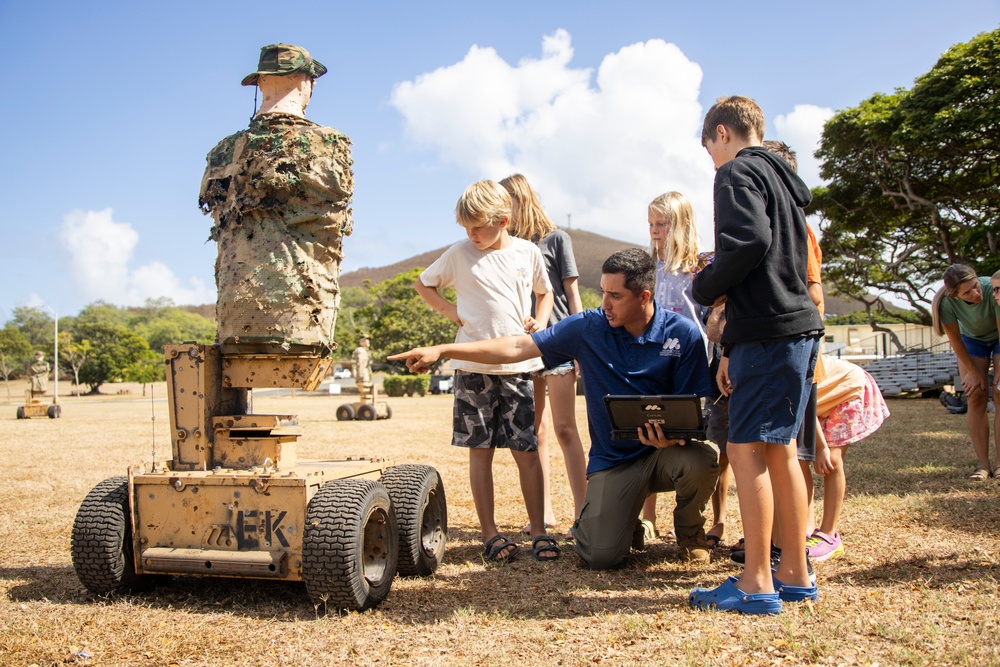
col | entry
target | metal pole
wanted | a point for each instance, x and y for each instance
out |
(55, 359)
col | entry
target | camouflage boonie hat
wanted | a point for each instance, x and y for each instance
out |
(282, 59)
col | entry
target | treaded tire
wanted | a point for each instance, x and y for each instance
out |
(345, 413)
(20, 413)
(54, 411)
(418, 499)
(349, 545)
(388, 412)
(367, 412)
(102, 542)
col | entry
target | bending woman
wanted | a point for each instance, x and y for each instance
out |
(964, 311)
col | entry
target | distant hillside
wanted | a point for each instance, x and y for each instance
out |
(590, 249)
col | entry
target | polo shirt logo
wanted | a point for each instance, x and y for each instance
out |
(671, 348)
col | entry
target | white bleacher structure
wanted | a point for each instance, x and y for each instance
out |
(914, 372)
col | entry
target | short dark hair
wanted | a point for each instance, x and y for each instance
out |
(782, 150)
(636, 265)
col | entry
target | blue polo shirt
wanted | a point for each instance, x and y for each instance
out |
(669, 358)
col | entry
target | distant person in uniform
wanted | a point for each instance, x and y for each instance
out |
(362, 363)
(38, 372)
(280, 192)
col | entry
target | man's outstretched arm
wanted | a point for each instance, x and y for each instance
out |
(506, 350)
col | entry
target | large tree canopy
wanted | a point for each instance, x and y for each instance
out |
(113, 350)
(914, 181)
(398, 319)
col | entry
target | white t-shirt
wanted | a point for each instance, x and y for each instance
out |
(494, 289)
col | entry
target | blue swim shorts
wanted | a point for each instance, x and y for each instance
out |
(977, 348)
(771, 385)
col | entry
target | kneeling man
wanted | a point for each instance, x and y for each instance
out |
(629, 345)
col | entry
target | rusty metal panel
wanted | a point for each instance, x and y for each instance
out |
(273, 370)
(196, 394)
(269, 451)
(216, 562)
(245, 521)
(268, 422)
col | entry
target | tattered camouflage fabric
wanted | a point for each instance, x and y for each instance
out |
(279, 193)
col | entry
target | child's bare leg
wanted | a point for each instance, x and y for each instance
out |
(720, 500)
(542, 435)
(834, 488)
(753, 487)
(481, 481)
(649, 509)
(562, 400)
(790, 506)
(529, 472)
(807, 477)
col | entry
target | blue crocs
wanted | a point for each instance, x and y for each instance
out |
(728, 597)
(795, 593)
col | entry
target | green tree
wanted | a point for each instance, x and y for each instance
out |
(590, 298)
(113, 349)
(102, 312)
(35, 324)
(74, 355)
(398, 319)
(914, 182)
(348, 328)
(174, 325)
(146, 369)
(15, 352)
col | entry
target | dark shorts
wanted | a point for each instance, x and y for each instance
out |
(771, 385)
(494, 411)
(980, 349)
(806, 441)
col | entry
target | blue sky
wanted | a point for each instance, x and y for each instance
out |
(110, 108)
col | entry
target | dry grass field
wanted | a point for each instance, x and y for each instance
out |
(918, 584)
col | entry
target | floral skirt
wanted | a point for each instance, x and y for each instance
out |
(856, 419)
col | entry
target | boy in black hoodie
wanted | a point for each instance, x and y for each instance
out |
(771, 342)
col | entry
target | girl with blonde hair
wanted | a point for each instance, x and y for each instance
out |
(673, 243)
(963, 310)
(529, 222)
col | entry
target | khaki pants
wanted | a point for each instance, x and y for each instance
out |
(614, 499)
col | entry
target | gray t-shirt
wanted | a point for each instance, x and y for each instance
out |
(560, 264)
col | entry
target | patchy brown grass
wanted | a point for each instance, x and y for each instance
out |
(918, 584)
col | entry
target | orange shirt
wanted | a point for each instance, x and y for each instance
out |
(815, 260)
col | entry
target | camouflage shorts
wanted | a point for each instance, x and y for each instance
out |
(494, 411)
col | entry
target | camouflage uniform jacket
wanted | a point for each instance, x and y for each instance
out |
(279, 193)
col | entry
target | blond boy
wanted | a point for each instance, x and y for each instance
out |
(494, 276)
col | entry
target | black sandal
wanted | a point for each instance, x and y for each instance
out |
(492, 550)
(544, 543)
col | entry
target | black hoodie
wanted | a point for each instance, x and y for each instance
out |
(760, 250)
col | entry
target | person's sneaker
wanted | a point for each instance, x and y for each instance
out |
(739, 556)
(821, 546)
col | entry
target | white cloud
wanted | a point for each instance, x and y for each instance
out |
(100, 252)
(802, 130)
(596, 146)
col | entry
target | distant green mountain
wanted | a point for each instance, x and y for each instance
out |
(590, 249)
